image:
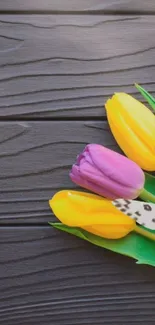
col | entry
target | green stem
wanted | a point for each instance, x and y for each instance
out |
(147, 196)
(144, 233)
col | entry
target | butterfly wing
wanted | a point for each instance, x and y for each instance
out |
(142, 212)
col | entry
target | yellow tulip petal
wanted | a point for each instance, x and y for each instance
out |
(139, 117)
(111, 232)
(133, 126)
(91, 212)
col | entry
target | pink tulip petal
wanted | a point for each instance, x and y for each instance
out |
(116, 166)
(109, 185)
(107, 173)
(92, 187)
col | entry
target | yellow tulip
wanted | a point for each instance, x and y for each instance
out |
(92, 213)
(133, 126)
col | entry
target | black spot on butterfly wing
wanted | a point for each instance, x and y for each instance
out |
(147, 207)
(126, 206)
(128, 202)
(118, 205)
(123, 210)
(138, 213)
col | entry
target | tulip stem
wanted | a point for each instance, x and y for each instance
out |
(147, 196)
(144, 232)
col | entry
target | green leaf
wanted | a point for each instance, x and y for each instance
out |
(133, 245)
(150, 99)
(150, 183)
(149, 186)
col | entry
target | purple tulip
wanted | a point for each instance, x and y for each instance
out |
(107, 173)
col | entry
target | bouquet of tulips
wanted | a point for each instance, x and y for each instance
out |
(112, 218)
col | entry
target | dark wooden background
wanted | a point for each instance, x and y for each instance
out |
(59, 62)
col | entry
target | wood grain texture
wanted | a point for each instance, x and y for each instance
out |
(35, 159)
(68, 65)
(79, 5)
(48, 277)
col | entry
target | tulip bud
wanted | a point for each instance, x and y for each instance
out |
(133, 126)
(92, 213)
(107, 173)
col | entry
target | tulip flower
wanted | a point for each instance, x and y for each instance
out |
(133, 126)
(107, 173)
(94, 214)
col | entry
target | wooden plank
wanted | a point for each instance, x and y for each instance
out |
(79, 6)
(48, 277)
(35, 159)
(68, 65)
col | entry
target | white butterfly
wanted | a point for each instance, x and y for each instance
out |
(142, 212)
